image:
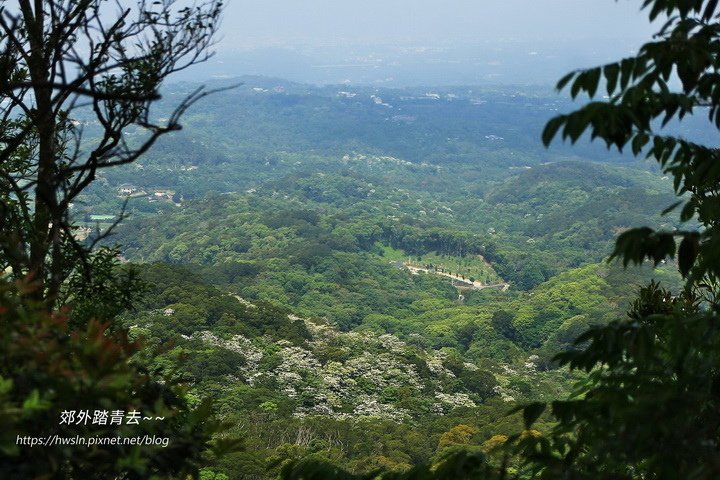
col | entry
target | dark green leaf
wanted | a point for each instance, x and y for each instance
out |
(611, 72)
(532, 412)
(551, 129)
(688, 211)
(672, 207)
(710, 9)
(593, 79)
(687, 253)
(640, 140)
(565, 80)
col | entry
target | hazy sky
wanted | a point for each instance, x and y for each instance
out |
(254, 23)
(429, 42)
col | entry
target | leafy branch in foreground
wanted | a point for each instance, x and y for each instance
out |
(46, 367)
(641, 103)
(649, 406)
(67, 65)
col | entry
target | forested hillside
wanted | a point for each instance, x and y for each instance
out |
(257, 279)
(343, 270)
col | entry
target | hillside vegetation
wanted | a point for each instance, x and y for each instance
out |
(275, 241)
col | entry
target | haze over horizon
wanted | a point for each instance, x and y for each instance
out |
(422, 41)
(375, 22)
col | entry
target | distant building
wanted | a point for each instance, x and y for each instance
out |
(127, 189)
(164, 195)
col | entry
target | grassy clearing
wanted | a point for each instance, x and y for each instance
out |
(470, 266)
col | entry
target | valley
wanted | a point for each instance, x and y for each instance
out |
(353, 241)
(405, 265)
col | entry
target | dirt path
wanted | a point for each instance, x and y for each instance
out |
(474, 285)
